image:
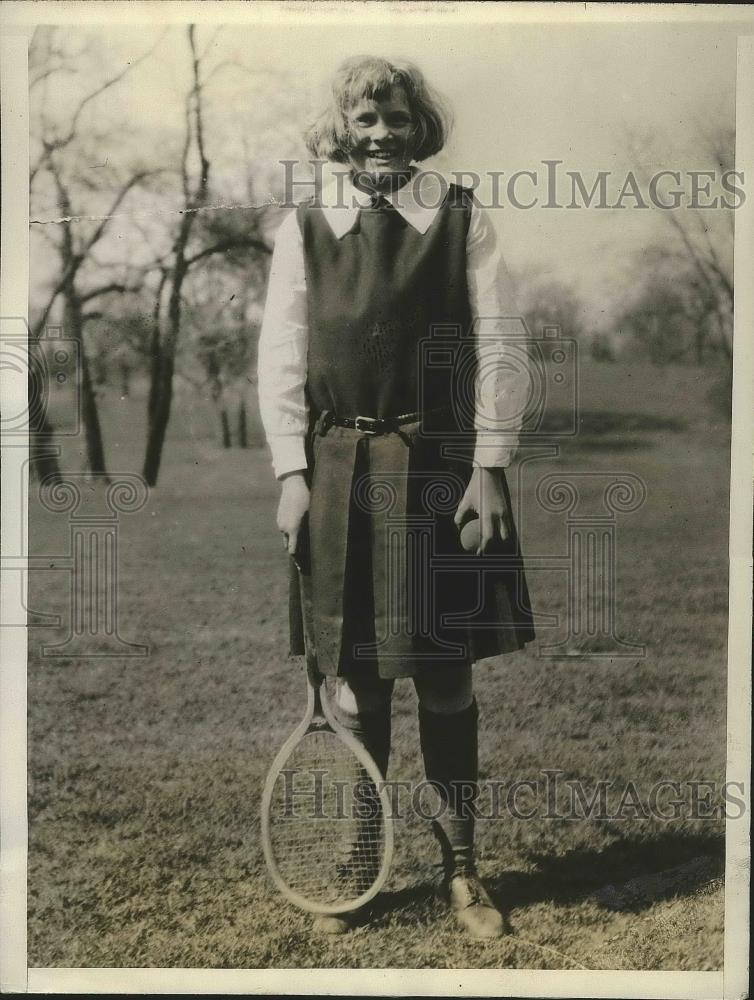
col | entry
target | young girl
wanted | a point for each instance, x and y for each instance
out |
(369, 440)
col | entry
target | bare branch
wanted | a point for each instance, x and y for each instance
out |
(232, 243)
(218, 31)
(198, 120)
(703, 266)
(195, 383)
(137, 178)
(185, 155)
(128, 68)
(50, 71)
(113, 286)
(52, 144)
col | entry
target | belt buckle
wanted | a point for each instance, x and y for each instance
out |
(367, 425)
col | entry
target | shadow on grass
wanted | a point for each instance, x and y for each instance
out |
(599, 423)
(606, 430)
(628, 875)
(584, 442)
(402, 906)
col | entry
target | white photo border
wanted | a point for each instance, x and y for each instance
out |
(17, 20)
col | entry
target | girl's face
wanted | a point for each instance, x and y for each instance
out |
(381, 133)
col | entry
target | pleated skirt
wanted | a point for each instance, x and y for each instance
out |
(392, 589)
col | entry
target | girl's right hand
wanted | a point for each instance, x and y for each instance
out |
(294, 503)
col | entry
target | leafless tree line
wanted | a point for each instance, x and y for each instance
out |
(167, 298)
(87, 289)
(682, 309)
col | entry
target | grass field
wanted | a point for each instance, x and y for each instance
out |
(145, 773)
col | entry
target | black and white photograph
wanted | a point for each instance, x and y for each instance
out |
(376, 435)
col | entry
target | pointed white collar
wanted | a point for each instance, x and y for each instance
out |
(418, 201)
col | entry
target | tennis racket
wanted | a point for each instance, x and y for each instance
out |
(327, 834)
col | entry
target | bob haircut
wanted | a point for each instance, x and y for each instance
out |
(371, 78)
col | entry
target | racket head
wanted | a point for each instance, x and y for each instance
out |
(327, 832)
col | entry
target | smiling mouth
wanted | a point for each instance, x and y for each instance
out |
(382, 154)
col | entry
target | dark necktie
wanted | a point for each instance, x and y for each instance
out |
(376, 200)
(376, 187)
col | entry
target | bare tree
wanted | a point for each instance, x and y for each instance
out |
(173, 246)
(700, 252)
(186, 252)
(221, 331)
(659, 322)
(548, 301)
(58, 159)
(73, 254)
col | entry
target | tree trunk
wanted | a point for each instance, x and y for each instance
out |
(699, 339)
(163, 350)
(218, 398)
(243, 431)
(95, 448)
(100, 372)
(225, 428)
(43, 452)
(73, 316)
(155, 372)
(159, 417)
(163, 366)
(125, 379)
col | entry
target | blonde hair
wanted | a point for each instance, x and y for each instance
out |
(372, 78)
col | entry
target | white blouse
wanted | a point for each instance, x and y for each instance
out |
(502, 381)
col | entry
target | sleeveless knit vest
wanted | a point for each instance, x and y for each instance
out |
(373, 296)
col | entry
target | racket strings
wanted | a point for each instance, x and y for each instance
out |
(326, 822)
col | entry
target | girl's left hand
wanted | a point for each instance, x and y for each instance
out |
(484, 495)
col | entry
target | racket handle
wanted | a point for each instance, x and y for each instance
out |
(302, 555)
(307, 615)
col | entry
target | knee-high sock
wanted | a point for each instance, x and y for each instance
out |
(372, 730)
(449, 745)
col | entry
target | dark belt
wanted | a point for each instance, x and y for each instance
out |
(371, 425)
